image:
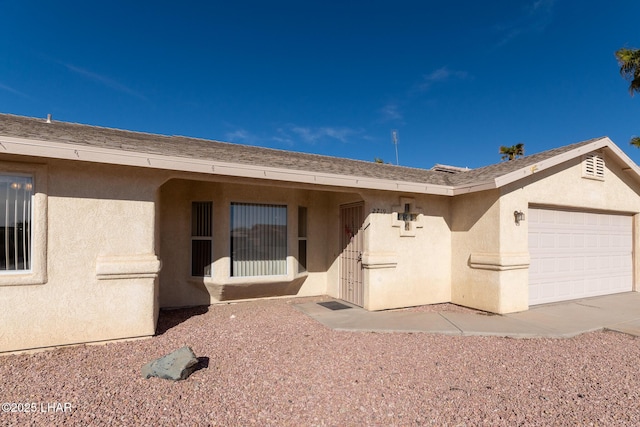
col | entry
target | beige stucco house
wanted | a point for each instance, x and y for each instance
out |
(100, 228)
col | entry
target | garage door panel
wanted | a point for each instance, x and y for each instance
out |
(547, 241)
(591, 265)
(577, 264)
(591, 241)
(563, 218)
(563, 265)
(578, 254)
(564, 240)
(577, 287)
(577, 218)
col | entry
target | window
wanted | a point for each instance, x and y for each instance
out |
(16, 194)
(302, 239)
(258, 239)
(593, 166)
(201, 239)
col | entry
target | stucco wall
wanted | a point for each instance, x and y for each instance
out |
(406, 267)
(101, 266)
(100, 232)
(178, 288)
(564, 187)
(475, 222)
(490, 261)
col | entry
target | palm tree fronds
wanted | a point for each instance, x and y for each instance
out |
(513, 152)
(629, 62)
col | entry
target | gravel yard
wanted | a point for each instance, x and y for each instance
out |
(265, 363)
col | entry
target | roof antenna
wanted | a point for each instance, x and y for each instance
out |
(394, 140)
(48, 118)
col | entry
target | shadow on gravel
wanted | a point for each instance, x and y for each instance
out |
(203, 363)
(171, 318)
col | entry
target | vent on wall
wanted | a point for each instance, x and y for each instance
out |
(593, 166)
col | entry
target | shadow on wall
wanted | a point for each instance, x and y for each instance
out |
(173, 317)
(468, 209)
(237, 291)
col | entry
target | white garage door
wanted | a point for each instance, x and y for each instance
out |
(578, 255)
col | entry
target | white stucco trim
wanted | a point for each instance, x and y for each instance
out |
(379, 260)
(556, 160)
(57, 150)
(127, 266)
(499, 262)
(629, 166)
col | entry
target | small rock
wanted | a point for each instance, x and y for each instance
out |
(174, 366)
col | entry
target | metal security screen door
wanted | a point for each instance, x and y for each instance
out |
(352, 245)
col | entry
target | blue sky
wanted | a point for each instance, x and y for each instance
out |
(456, 79)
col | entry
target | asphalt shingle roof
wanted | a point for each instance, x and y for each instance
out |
(185, 147)
(180, 146)
(497, 170)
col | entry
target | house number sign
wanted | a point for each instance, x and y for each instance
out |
(378, 210)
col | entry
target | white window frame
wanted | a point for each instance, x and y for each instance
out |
(207, 236)
(37, 274)
(303, 233)
(259, 268)
(19, 182)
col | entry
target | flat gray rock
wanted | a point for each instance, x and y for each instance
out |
(174, 366)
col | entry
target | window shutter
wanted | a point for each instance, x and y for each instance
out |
(593, 166)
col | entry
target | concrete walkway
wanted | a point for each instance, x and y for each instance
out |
(619, 312)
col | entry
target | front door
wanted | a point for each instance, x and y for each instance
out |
(352, 245)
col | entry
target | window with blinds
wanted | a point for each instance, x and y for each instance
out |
(201, 239)
(258, 239)
(593, 166)
(302, 239)
(16, 194)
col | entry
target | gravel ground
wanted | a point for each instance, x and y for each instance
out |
(265, 363)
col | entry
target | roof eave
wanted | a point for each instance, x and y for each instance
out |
(474, 188)
(629, 166)
(598, 144)
(56, 150)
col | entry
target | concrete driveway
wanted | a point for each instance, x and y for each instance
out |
(619, 312)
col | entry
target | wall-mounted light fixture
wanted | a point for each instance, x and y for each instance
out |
(518, 216)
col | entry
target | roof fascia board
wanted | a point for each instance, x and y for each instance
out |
(560, 158)
(550, 162)
(49, 149)
(474, 188)
(626, 160)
